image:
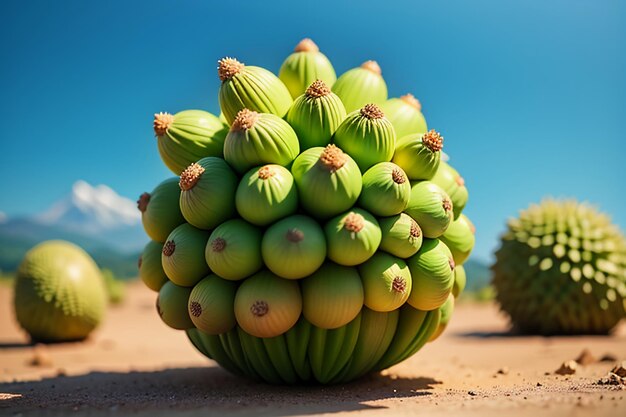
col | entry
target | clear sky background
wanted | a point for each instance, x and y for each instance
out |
(530, 95)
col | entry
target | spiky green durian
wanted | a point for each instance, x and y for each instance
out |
(305, 65)
(361, 85)
(452, 183)
(187, 136)
(561, 269)
(250, 87)
(405, 114)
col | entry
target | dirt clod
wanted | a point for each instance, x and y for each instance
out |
(567, 368)
(586, 358)
(41, 357)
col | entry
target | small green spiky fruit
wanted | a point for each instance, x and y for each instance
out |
(188, 136)
(328, 181)
(446, 314)
(250, 87)
(431, 208)
(171, 305)
(266, 194)
(234, 250)
(367, 136)
(150, 266)
(256, 139)
(386, 282)
(294, 247)
(405, 114)
(386, 190)
(561, 269)
(160, 210)
(419, 154)
(211, 305)
(207, 195)
(452, 183)
(459, 238)
(332, 296)
(267, 305)
(59, 293)
(316, 115)
(360, 86)
(352, 237)
(460, 279)
(401, 235)
(183, 255)
(432, 270)
(305, 65)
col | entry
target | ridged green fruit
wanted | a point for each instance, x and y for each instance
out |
(150, 266)
(171, 305)
(250, 87)
(305, 65)
(367, 136)
(419, 155)
(446, 314)
(266, 194)
(459, 238)
(234, 250)
(386, 190)
(460, 279)
(188, 136)
(256, 139)
(360, 86)
(561, 269)
(352, 237)
(267, 305)
(452, 183)
(431, 208)
(59, 293)
(294, 247)
(332, 296)
(432, 270)
(211, 305)
(183, 255)
(405, 114)
(160, 210)
(316, 115)
(386, 282)
(208, 193)
(401, 235)
(328, 181)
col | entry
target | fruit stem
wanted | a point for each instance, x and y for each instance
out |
(433, 140)
(259, 308)
(169, 248)
(295, 235)
(317, 89)
(228, 68)
(244, 120)
(266, 172)
(452, 264)
(460, 181)
(415, 229)
(372, 111)
(218, 244)
(306, 45)
(399, 285)
(372, 66)
(142, 203)
(447, 204)
(412, 101)
(333, 158)
(190, 176)
(397, 175)
(162, 122)
(354, 222)
(195, 309)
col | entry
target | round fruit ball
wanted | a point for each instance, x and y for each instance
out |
(59, 293)
(561, 269)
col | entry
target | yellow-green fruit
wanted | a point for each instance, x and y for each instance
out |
(431, 208)
(305, 65)
(211, 305)
(267, 305)
(183, 255)
(386, 190)
(332, 296)
(419, 154)
(234, 250)
(171, 305)
(352, 237)
(460, 279)
(188, 136)
(386, 282)
(150, 266)
(315, 115)
(401, 235)
(59, 293)
(360, 86)
(432, 270)
(446, 314)
(459, 238)
(405, 114)
(250, 87)
(452, 183)
(160, 210)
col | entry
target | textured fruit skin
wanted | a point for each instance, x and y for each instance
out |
(432, 270)
(386, 282)
(160, 210)
(233, 250)
(405, 118)
(401, 235)
(350, 247)
(184, 263)
(446, 314)
(459, 238)
(358, 87)
(211, 305)
(300, 69)
(453, 184)
(193, 135)
(418, 161)
(59, 293)
(386, 190)
(431, 208)
(460, 279)
(561, 269)
(253, 88)
(171, 304)
(150, 266)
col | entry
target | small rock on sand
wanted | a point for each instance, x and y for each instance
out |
(567, 368)
(41, 357)
(586, 358)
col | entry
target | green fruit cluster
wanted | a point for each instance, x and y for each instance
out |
(309, 246)
(561, 269)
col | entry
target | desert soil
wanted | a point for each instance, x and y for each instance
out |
(134, 364)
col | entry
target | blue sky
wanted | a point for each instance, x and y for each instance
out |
(530, 95)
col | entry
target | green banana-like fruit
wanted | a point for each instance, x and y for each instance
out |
(232, 346)
(258, 358)
(346, 350)
(297, 343)
(211, 346)
(431, 325)
(276, 348)
(446, 314)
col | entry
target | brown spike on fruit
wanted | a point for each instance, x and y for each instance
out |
(245, 120)
(306, 45)
(412, 101)
(162, 122)
(190, 176)
(433, 140)
(317, 89)
(372, 66)
(372, 111)
(228, 67)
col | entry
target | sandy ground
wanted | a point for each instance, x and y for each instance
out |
(135, 365)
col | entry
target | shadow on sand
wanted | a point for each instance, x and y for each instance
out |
(201, 390)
